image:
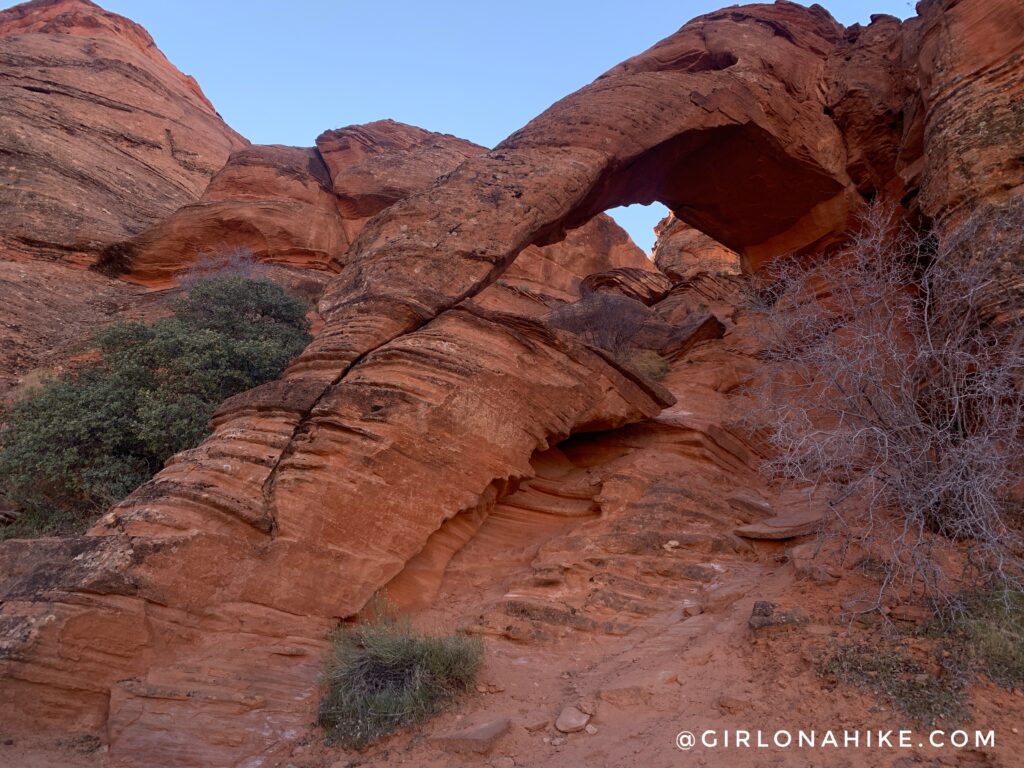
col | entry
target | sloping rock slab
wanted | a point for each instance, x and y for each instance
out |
(474, 740)
(782, 527)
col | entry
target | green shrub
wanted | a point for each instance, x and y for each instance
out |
(85, 440)
(383, 675)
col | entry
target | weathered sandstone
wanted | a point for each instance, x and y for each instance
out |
(101, 135)
(425, 412)
(682, 251)
(302, 208)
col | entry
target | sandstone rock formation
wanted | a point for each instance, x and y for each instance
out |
(643, 286)
(190, 622)
(46, 310)
(682, 251)
(101, 135)
(436, 403)
(303, 207)
(293, 206)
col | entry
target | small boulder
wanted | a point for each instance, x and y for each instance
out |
(474, 740)
(782, 527)
(768, 618)
(535, 724)
(572, 720)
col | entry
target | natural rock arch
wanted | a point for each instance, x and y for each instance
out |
(312, 491)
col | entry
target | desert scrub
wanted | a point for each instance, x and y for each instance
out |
(905, 684)
(613, 323)
(987, 630)
(85, 440)
(891, 379)
(383, 675)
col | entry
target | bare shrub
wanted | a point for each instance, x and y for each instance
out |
(894, 376)
(606, 320)
(238, 262)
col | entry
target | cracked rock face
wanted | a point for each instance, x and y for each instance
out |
(192, 623)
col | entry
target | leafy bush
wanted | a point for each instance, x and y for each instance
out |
(383, 675)
(88, 438)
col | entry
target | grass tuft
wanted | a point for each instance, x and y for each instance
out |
(920, 694)
(383, 675)
(989, 632)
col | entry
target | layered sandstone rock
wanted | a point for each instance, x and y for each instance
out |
(101, 135)
(640, 285)
(275, 202)
(302, 207)
(45, 314)
(189, 627)
(375, 165)
(207, 593)
(968, 64)
(681, 251)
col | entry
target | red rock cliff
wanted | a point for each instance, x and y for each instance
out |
(102, 136)
(189, 623)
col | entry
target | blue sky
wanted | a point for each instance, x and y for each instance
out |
(281, 73)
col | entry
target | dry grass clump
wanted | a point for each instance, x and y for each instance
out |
(383, 675)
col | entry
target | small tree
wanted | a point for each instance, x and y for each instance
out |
(894, 374)
(85, 440)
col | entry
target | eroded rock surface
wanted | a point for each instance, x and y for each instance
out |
(220, 577)
(300, 207)
(682, 251)
(427, 407)
(101, 135)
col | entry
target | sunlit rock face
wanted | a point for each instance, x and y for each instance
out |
(189, 628)
(101, 135)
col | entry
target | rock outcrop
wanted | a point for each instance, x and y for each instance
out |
(189, 626)
(101, 135)
(292, 206)
(302, 208)
(200, 597)
(273, 201)
(682, 251)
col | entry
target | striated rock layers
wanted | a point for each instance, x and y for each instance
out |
(205, 598)
(101, 136)
(302, 207)
(188, 626)
(293, 206)
(682, 251)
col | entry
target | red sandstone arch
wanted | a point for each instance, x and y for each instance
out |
(222, 574)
